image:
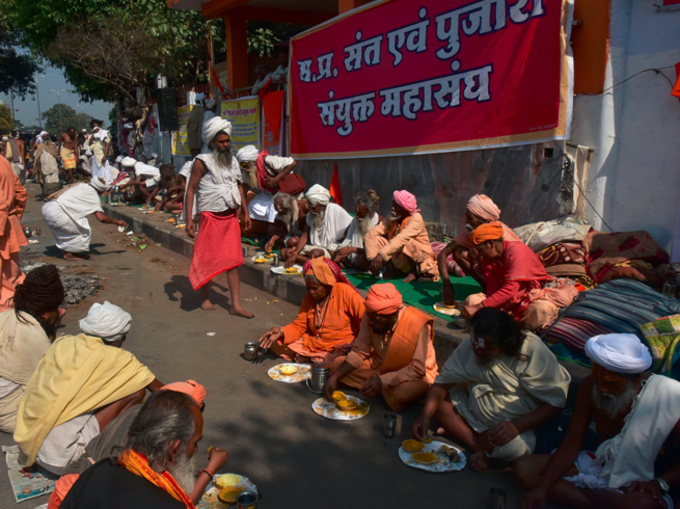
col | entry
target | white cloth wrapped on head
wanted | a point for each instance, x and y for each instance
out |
(214, 126)
(620, 353)
(151, 173)
(106, 321)
(318, 195)
(119, 159)
(128, 162)
(247, 154)
(101, 135)
(100, 184)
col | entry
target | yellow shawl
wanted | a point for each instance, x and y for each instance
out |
(78, 374)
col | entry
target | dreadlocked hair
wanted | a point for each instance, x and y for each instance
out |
(500, 329)
(42, 291)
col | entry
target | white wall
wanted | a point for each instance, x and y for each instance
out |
(635, 128)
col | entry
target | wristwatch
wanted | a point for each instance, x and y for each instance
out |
(663, 484)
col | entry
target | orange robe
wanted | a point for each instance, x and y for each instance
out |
(340, 325)
(410, 240)
(404, 359)
(12, 204)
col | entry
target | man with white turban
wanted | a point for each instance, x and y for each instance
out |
(401, 240)
(66, 216)
(195, 126)
(215, 196)
(633, 415)
(326, 225)
(81, 384)
(210, 107)
(264, 174)
(480, 210)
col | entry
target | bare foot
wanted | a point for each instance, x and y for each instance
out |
(479, 461)
(441, 432)
(73, 257)
(206, 305)
(239, 311)
(410, 278)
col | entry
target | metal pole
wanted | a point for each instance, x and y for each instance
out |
(59, 102)
(37, 94)
(11, 100)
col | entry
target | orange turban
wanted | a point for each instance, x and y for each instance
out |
(383, 299)
(486, 231)
(321, 270)
(193, 389)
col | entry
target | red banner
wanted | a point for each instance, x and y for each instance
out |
(401, 77)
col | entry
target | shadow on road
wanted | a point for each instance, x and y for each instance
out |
(190, 298)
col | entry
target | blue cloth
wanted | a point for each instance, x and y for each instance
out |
(623, 305)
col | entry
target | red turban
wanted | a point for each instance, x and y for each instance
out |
(486, 231)
(193, 389)
(383, 299)
(406, 201)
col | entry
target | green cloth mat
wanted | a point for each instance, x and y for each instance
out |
(421, 295)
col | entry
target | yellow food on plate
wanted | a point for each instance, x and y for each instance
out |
(227, 480)
(423, 457)
(171, 220)
(269, 256)
(428, 440)
(259, 260)
(288, 370)
(339, 396)
(181, 226)
(229, 494)
(292, 270)
(411, 445)
(347, 404)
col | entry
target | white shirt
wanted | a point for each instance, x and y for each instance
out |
(218, 188)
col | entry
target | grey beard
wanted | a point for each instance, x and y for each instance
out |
(614, 405)
(287, 217)
(468, 227)
(317, 219)
(251, 178)
(364, 224)
(183, 472)
(393, 216)
(223, 158)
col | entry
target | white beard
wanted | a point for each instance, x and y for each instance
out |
(364, 224)
(251, 178)
(317, 219)
(614, 405)
(183, 472)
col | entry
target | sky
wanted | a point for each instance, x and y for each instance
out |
(54, 79)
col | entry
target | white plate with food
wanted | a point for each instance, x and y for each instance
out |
(355, 409)
(432, 457)
(290, 372)
(229, 486)
(262, 257)
(446, 309)
(290, 272)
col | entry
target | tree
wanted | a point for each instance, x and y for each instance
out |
(17, 70)
(149, 39)
(56, 123)
(5, 119)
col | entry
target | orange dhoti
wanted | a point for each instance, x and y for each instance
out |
(12, 204)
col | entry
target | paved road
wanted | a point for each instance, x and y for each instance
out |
(297, 459)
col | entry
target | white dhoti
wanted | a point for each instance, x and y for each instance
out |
(98, 170)
(66, 443)
(68, 234)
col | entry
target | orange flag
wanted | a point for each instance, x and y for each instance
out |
(335, 186)
(676, 88)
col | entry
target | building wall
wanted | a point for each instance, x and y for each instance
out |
(523, 183)
(635, 127)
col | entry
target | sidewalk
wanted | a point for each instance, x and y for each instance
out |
(289, 288)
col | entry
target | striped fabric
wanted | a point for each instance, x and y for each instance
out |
(454, 269)
(574, 332)
(624, 305)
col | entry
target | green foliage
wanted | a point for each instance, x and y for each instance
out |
(5, 119)
(176, 40)
(69, 118)
(261, 42)
(17, 69)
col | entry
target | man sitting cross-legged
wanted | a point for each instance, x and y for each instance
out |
(402, 240)
(26, 333)
(393, 354)
(352, 252)
(633, 417)
(81, 384)
(496, 387)
(156, 470)
(326, 224)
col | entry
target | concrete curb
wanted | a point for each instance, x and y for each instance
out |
(291, 289)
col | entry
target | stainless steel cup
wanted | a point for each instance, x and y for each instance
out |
(250, 351)
(245, 251)
(670, 287)
(320, 374)
(247, 500)
(276, 260)
(496, 498)
(389, 425)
